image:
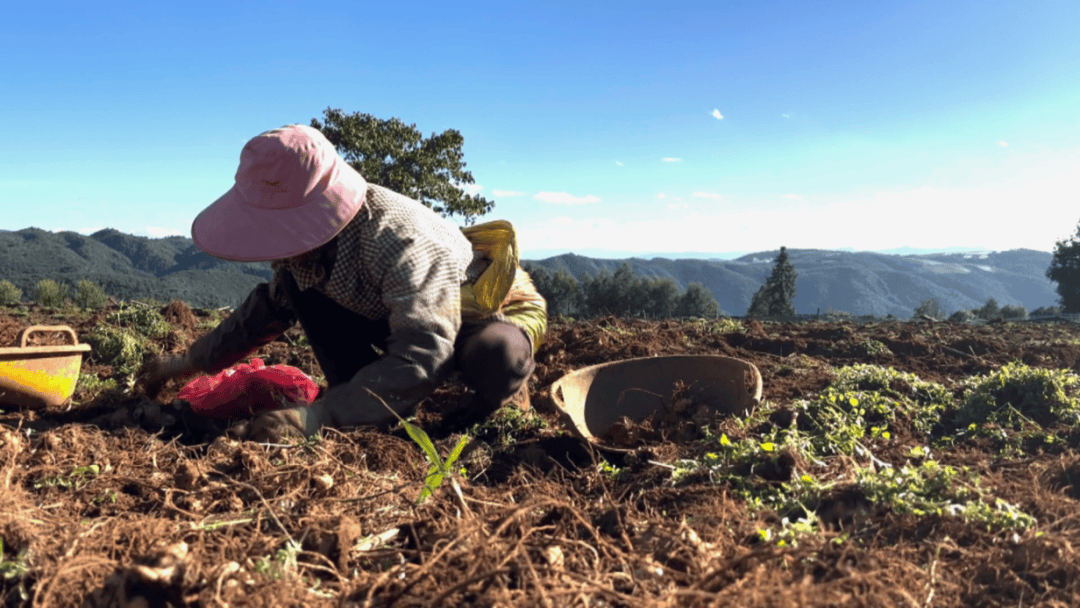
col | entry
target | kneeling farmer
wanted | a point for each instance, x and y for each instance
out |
(358, 266)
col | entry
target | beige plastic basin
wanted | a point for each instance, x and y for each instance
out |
(591, 400)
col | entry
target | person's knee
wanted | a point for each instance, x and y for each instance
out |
(497, 360)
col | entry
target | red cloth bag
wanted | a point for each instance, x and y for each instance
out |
(243, 390)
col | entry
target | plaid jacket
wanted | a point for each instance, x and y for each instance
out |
(396, 260)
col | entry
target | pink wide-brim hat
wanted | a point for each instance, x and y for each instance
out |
(293, 193)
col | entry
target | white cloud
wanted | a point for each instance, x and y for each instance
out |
(158, 232)
(471, 188)
(1003, 144)
(663, 196)
(717, 115)
(89, 231)
(793, 197)
(785, 116)
(673, 206)
(564, 198)
(506, 193)
(713, 195)
(618, 163)
(670, 159)
(841, 219)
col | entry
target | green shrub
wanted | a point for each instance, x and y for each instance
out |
(117, 347)
(893, 383)
(144, 320)
(1046, 310)
(94, 385)
(51, 293)
(962, 316)
(9, 293)
(1013, 312)
(840, 419)
(868, 399)
(89, 295)
(1017, 394)
(868, 347)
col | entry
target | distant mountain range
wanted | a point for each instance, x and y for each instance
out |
(863, 283)
(611, 254)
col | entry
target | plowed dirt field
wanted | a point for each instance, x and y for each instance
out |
(115, 500)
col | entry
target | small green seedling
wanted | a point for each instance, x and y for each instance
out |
(437, 469)
(12, 569)
(77, 478)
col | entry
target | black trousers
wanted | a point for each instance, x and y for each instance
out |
(494, 358)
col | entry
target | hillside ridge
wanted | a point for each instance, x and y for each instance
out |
(862, 283)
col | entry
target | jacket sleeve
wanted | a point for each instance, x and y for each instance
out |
(263, 316)
(420, 285)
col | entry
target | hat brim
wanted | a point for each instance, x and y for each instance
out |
(232, 230)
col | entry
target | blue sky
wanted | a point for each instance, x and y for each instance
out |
(618, 126)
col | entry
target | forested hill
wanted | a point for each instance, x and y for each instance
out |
(862, 283)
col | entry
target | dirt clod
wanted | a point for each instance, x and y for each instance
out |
(178, 314)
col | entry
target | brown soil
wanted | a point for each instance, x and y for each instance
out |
(176, 513)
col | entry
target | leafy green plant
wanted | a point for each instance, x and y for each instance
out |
(614, 330)
(723, 325)
(869, 347)
(13, 574)
(735, 462)
(791, 531)
(89, 295)
(610, 471)
(143, 319)
(934, 489)
(282, 565)
(108, 496)
(510, 421)
(117, 347)
(213, 318)
(921, 490)
(862, 407)
(95, 386)
(9, 293)
(77, 478)
(437, 468)
(50, 293)
(13, 568)
(841, 419)
(216, 522)
(1017, 396)
(876, 378)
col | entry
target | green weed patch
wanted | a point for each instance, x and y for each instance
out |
(838, 437)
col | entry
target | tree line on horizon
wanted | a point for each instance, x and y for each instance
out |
(990, 311)
(624, 293)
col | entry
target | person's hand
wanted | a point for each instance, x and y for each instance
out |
(153, 375)
(271, 427)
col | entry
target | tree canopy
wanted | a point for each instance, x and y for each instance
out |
(775, 297)
(930, 308)
(397, 156)
(623, 293)
(1065, 271)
